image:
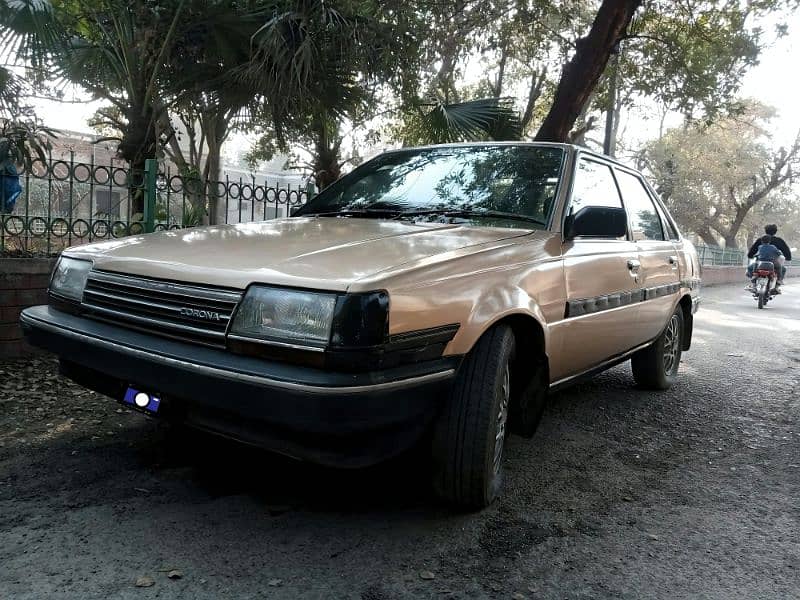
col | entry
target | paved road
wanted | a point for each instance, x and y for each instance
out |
(621, 494)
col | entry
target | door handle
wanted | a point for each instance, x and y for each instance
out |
(673, 260)
(634, 265)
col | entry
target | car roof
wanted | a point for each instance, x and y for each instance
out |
(573, 148)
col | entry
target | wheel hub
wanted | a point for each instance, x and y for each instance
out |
(671, 344)
(502, 419)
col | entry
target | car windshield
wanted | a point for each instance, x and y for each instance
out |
(507, 186)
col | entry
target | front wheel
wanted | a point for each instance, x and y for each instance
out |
(656, 367)
(469, 436)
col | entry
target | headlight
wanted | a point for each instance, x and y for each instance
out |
(281, 315)
(69, 278)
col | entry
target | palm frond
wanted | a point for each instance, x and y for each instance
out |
(11, 90)
(23, 142)
(29, 33)
(474, 120)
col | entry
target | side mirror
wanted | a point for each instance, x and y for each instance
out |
(596, 221)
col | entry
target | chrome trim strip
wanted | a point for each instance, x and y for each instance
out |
(164, 287)
(121, 316)
(244, 338)
(147, 295)
(244, 377)
(224, 317)
(580, 307)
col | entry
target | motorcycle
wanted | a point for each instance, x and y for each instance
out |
(765, 280)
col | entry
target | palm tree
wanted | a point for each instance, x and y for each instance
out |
(113, 49)
(319, 65)
(148, 62)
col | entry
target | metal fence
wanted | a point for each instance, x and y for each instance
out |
(716, 256)
(65, 203)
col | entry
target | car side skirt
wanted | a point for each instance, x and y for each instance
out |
(591, 372)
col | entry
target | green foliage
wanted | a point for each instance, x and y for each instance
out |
(22, 138)
(193, 216)
(310, 73)
(144, 58)
(22, 142)
(692, 57)
(319, 65)
(688, 56)
(474, 120)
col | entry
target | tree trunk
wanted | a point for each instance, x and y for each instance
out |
(497, 84)
(534, 93)
(211, 177)
(326, 165)
(203, 164)
(708, 237)
(138, 143)
(581, 74)
(610, 140)
(326, 152)
(736, 226)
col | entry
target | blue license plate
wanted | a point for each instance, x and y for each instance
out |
(142, 400)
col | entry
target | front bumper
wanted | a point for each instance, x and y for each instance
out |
(339, 419)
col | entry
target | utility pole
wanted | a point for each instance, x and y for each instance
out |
(609, 142)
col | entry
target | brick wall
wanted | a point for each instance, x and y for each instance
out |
(23, 283)
(724, 275)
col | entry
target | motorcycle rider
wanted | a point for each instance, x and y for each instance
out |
(771, 230)
(767, 251)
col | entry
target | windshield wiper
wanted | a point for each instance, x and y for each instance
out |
(492, 214)
(359, 212)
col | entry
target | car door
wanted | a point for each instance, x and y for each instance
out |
(659, 271)
(601, 283)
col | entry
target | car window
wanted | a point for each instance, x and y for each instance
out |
(669, 228)
(642, 213)
(593, 186)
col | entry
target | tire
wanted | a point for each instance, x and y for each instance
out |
(470, 433)
(656, 367)
(762, 298)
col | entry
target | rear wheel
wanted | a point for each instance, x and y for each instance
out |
(469, 436)
(656, 366)
(762, 297)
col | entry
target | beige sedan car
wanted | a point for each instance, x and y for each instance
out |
(433, 295)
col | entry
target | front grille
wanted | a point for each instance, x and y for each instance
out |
(187, 312)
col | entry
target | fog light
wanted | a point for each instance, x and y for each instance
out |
(141, 399)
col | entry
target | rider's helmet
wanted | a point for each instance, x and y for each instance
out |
(770, 229)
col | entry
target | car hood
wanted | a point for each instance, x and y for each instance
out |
(318, 253)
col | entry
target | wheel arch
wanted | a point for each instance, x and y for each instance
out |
(530, 368)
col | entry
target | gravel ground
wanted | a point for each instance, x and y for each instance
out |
(621, 494)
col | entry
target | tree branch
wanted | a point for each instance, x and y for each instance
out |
(583, 71)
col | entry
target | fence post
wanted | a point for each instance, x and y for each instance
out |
(150, 173)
